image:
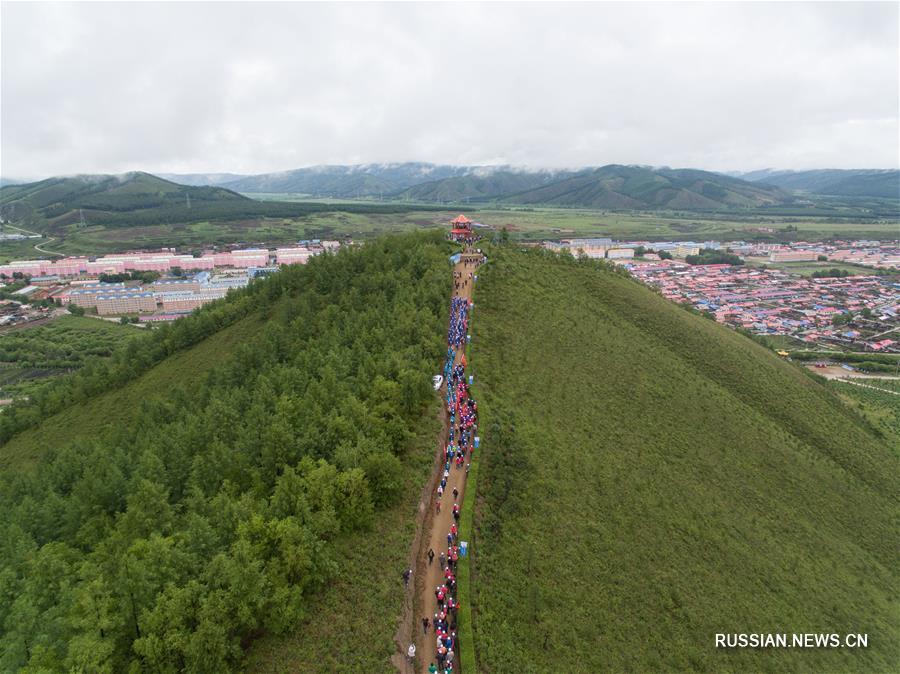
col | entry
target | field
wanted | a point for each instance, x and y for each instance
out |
(31, 357)
(650, 478)
(523, 223)
(880, 408)
(809, 268)
(20, 250)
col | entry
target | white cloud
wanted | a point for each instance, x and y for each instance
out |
(255, 87)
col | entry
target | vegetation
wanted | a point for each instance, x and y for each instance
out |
(141, 199)
(708, 256)
(631, 187)
(650, 479)
(876, 403)
(847, 182)
(831, 273)
(142, 276)
(482, 187)
(215, 510)
(30, 357)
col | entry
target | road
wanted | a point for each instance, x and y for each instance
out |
(837, 372)
(37, 246)
(876, 388)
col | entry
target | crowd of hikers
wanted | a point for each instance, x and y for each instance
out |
(462, 441)
(462, 410)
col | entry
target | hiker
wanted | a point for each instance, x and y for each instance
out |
(455, 493)
(443, 560)
(430, 555)
(406, 575)
(411, 652)
(425, 625)
(432, 669)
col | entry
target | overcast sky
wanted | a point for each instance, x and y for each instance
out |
(252, 88)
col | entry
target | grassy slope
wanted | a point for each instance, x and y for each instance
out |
(120, 406)
(680, 481)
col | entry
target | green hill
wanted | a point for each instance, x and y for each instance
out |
(650, 479)
(636, 187)
(207, 486)
(883, 183)
(59, 199)
(135, 199)
(346, 182)
(481, 187)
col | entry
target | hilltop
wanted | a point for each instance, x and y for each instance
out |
(65, 200)
(650, 479)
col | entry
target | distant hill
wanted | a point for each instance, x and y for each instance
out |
(883, 183)
(60, 199)
(635, 187)
(198, 179)
(142, 199)
(482, 185)
(345, 182)
(649, 478)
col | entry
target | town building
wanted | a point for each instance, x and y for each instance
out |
(620, 253)
(793, 256)
(126, 303)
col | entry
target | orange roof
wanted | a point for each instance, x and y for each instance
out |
(461, 220)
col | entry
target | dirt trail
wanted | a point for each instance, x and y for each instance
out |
(432, 533)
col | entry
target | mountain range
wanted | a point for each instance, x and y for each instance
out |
(884, 183)
(139, 198)
(612, 186)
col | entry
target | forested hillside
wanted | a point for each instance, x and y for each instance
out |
(640, 187)
(884, 183)
(219, 506)
(135, 199)
(650, 479)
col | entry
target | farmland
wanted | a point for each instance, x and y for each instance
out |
(523, 223)
(650, 479)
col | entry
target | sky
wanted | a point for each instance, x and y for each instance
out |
(261, 87)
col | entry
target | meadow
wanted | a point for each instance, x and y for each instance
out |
(809, 268)
(650, 479)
